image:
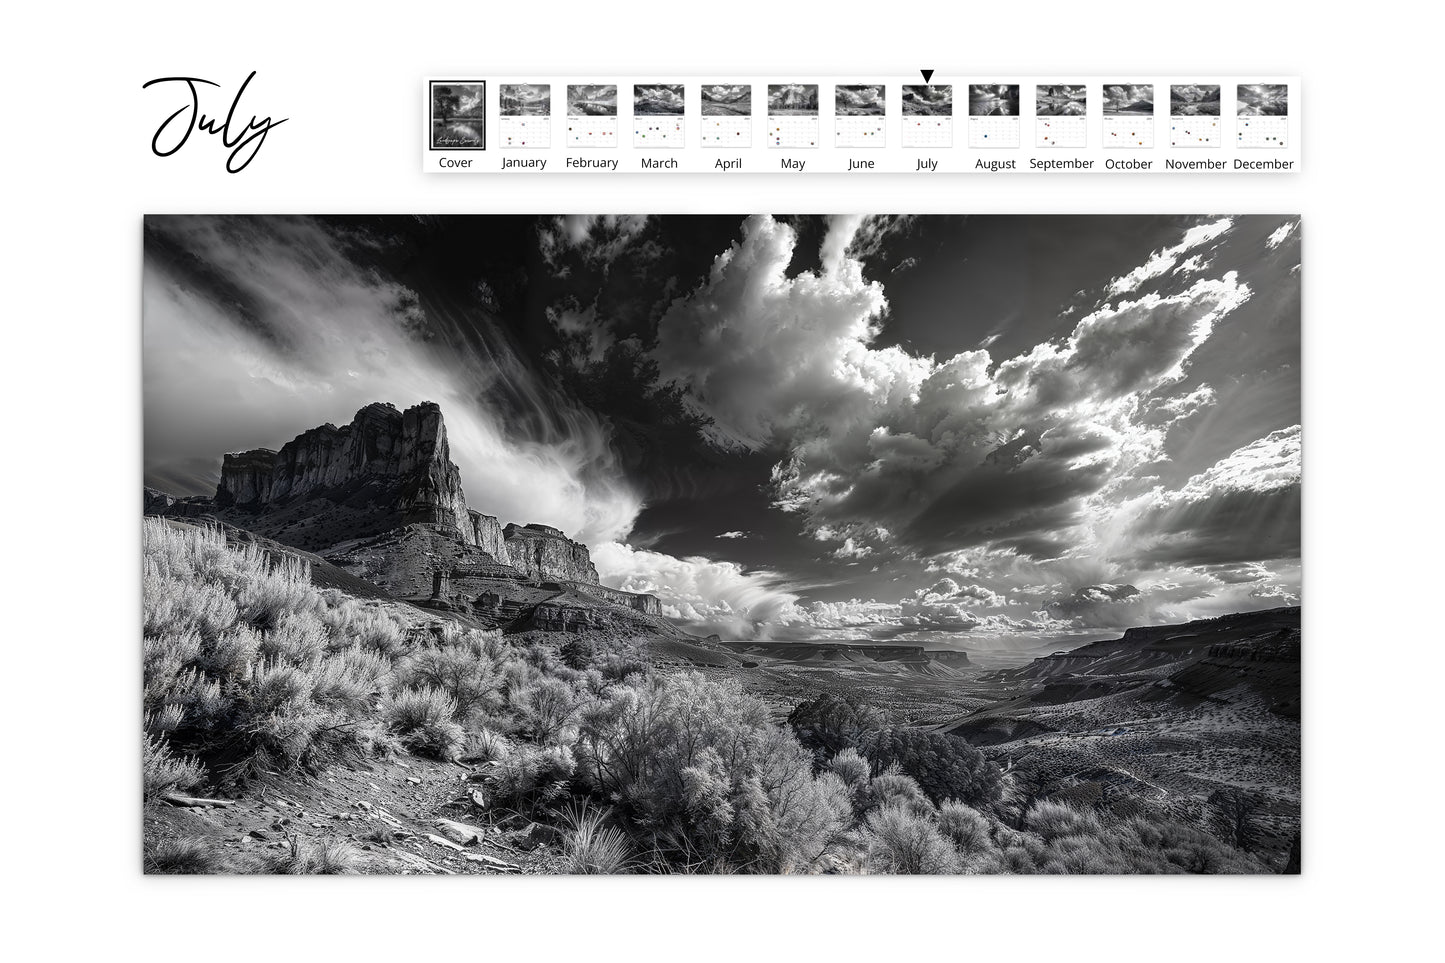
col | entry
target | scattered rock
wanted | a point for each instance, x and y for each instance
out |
(489, 861)
(175, 799)
(460, 832)
(446, 843)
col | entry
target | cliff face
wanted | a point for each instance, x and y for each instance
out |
(547, 555)
(381, 499)
(487, 535)
(394, 465)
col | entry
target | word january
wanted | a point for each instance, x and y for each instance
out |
(237, 139)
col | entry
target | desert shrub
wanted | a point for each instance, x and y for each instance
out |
(424, 719)
(830, 723)
(1052, 820)
(900, 840)
(187, 856)
(199, 701)
(591, 846)
(969, 829)
(699, 768)
(322, 857)
(231, 654)
(278, 684)
(367, 626)
(298, 637)
(529, 776)
(462, 670)
(175, 605)
(280, 589)
(1164, 845)
(350, 680)
(485, 745)
(300, 692)
(945, 766)
(163, 771)
(544, 708)
(855, 772)
(894, 787)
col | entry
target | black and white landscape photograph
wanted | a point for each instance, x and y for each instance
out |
(1194, 100)
(727, 100)
(684, 544)
(785, 99)
(1262, 100)
(458, 115)
(859, 100)
(657, 99)
(525, 100)
(928, 100)
(591, 100)
(1060, 100)
(1129, 99)
(993, 100)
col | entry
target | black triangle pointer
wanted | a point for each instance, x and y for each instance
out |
(927, 75)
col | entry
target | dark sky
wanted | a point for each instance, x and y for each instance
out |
(972, 430)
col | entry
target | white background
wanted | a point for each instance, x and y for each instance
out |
(78, 175)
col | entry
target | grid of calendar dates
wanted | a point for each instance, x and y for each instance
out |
(1061, 132)
(1262, 132)
(1124, 131)
(1194, 131)
(533, 132)
(661, 131)
(792, 130)
(727, 132)
(985, 132)
(858, 132)
(591, 131)
(927, 132)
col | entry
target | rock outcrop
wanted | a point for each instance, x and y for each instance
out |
(386, 469)
(381, 501)
(547, 555)
(487, 535)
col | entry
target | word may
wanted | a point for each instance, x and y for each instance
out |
(238, 139)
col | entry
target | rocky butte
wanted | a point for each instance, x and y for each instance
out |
(381, 498)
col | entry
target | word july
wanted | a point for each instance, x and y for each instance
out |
(237, 138)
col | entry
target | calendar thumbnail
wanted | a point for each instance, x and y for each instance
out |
(1129, 116)
(657, 115)
(1262, 115)
(458, 115)
(591, 115)
(792, 115)
(727, 115)
(993, 115)
(1059, 115)
(525, 115)
(1194, 115)
(859, 115)
(928, 116)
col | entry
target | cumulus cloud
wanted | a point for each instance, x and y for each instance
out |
(708, 596)
(944, 454)
(598, 239)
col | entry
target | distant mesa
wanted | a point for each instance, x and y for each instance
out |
(381, 498)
